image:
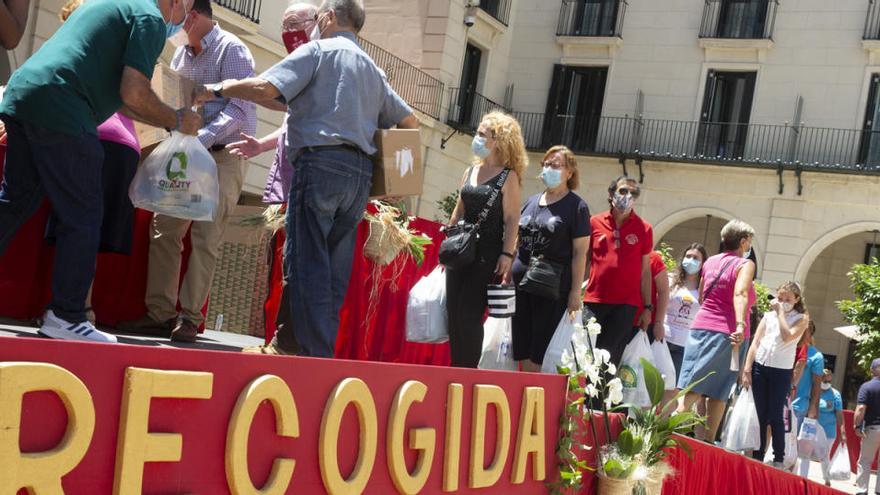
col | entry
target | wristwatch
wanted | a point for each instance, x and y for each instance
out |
(177, 113)
(649, 307)
(217, 89)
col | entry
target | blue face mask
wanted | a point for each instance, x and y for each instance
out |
(552, 177)
(478, 146)
(170, 28)
(691, 265)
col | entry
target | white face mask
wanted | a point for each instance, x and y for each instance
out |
(826, 386)
(787, 307)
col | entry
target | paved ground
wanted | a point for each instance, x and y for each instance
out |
(844, 486)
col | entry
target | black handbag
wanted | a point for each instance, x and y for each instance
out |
(459, 249)
(542, 278)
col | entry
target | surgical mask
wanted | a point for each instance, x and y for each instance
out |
(826, 386)
(294, 39)
(172, 29)
(622, 203)
(691, 265)
(478, 146)
(787, 307)
(748, 254)
(180, 38)
(552, 177)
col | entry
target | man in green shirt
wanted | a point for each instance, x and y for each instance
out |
(99, 62)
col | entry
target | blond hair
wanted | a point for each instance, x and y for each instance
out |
(68, 9)
(571, 164)
(508, 141)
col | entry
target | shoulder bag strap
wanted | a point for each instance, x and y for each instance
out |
(493, 196)
(717, 279)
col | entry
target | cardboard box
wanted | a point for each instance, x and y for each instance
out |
(398, 169)
(175, 91)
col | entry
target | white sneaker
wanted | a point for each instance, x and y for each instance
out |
(57, 328)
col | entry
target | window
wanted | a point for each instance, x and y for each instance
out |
(468, 96)
(724, 122)
(574, 107)
(589, 18)
(738, 19)
(872, 252)
(869, 149)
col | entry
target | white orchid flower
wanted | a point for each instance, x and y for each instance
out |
(612, 370)
(592, 391)
(615, 392)
(593, 327)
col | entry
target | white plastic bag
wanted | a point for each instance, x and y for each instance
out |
(178, 179)
(498, 345)
(791, 444)
(426, 319)
(742, 432)
(559, 343)
(840, 465)
(664, 364)
(807, 437)
(630, 371)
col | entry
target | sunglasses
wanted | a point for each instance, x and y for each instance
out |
(623, 191)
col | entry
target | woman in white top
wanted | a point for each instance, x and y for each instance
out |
(770, 361)
(684, 301)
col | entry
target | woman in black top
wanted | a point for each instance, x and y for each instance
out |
(554, 224)
(497, 146)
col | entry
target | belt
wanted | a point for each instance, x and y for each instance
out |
(333, 147)
(217, 147)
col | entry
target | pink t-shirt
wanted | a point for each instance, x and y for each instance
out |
(716, 313)
(119, 129)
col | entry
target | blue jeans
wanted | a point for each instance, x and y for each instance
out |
(770, 388)
(327, 200)
(66, 169)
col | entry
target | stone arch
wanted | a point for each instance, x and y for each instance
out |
(825, 241)
(674, 219)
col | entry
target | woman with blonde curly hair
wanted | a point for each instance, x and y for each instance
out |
(491, 184)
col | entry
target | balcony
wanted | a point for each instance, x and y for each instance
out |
(499, 9)
(852, 151)
(467, 107)
(738, 19)
(872, 22)
(249, 9)
(591, 18)
(419, 89)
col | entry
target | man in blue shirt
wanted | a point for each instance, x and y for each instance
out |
(337, 99)
(806, 401)
(866, 422)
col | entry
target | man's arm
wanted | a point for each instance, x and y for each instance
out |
(13, 20)
(815, 390)
(661, 282)
(410, 122)
(250, 89)
(138, 96)
(797, 373)
(645, 318)
(859, 418)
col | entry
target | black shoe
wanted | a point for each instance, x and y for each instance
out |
(147, 326)
(185, 331)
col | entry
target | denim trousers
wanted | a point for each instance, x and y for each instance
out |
(770, 388)
(327, 199)
(65, 169)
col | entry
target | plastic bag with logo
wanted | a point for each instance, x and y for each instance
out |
(632, 375)
(426, 320)
(178, 179)
(808, 437)
(498, 345)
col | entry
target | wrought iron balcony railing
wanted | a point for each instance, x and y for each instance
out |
(499, 9)
(738, 19)
(467, 107)
(591, 18)
(760, 145)
(872, 21)
(249, 9)
(418, 88)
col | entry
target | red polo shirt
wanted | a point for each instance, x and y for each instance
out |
(616, 261)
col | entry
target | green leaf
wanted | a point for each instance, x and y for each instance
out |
(681, 393)
(629, 443)
(653, 381)
(613, 468)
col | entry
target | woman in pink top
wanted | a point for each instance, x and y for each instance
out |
(719, 334)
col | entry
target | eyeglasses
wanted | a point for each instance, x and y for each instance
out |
(554, 165)
(623, 191)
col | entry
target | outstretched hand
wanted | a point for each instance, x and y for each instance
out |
(247, 148)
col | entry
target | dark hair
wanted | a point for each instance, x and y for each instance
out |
(811, 327)
(680, 274)
(203, 7)
(613, 186)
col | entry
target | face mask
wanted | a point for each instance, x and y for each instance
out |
(552, 177)
(748, 254)
(826, 386)
(171, 29)
(180, 38)
(318, 31)
(787, 307)
(622, 203)
(294, 39)
(478, 146)
(691, 265)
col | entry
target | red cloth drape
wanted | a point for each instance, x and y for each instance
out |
(120, 281)
(853, 442)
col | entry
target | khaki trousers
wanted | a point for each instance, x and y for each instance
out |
(166, 250)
